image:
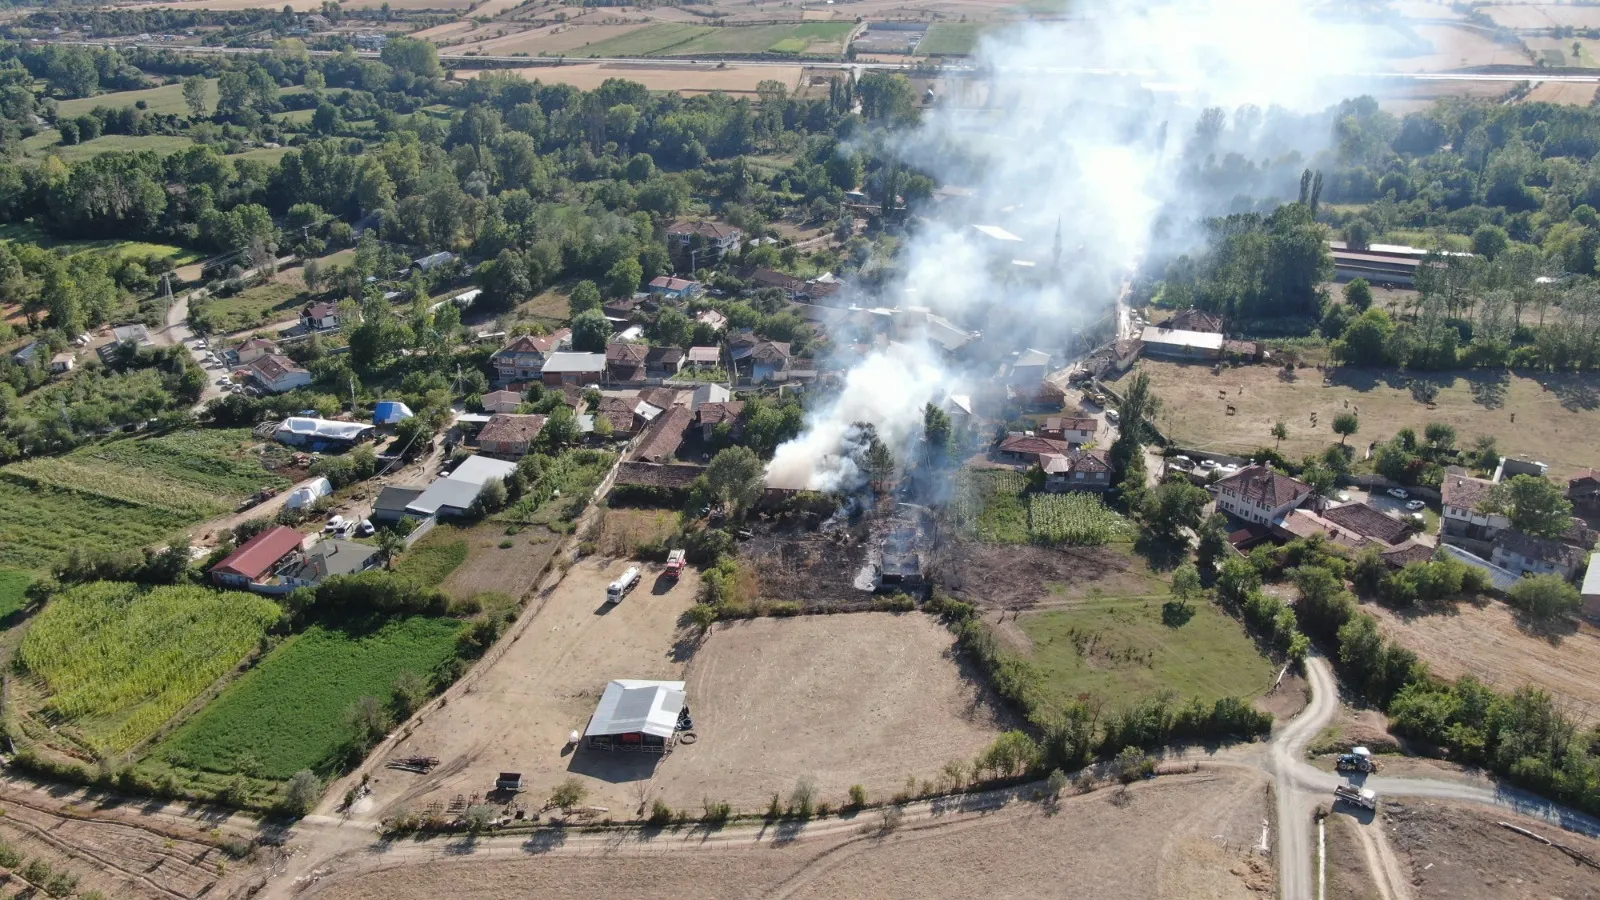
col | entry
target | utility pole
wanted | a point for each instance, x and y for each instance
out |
(352, 395)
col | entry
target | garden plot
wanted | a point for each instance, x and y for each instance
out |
(110, 663)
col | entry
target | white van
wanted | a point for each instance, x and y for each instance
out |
(620, 588)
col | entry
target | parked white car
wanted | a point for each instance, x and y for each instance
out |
(1398, 493)
(1342, 496)
(1414, 504)
(1209, 464)
(334, 525)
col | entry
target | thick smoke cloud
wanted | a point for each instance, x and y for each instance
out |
(1089, 141)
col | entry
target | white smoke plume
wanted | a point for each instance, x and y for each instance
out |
(1081, 139)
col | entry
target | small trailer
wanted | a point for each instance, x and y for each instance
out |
(510, 782)
(675, 563)
(1362, 797)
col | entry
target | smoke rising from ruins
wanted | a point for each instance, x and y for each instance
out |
(1080, 176)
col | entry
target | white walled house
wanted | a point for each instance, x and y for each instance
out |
(1460, 517)
(1260, 495)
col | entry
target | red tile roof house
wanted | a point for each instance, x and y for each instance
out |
(1028, 449)
(1583, 490)
(509, 437)
(626, 362)
(523, 359)
(319, 316)
(699, 244)
(257, 558)
(277, 374)
(669, 288)
(502, 401)
(1070, 429)
(1260, 495)
(664, 436)
(710, 415)
(1076, 470)
(663, 362)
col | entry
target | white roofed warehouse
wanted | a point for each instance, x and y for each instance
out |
(1179, 344)
(637, 716)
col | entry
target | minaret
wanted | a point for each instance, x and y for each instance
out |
(1055, 262)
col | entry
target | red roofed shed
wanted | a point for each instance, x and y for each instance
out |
(257, 557)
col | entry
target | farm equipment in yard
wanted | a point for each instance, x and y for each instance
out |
(421, 765)
(675, 563)
(510, 782)
(1362, 797)
(257, 498)
(1359, 759)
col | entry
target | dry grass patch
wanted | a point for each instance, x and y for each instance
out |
(1557, 416)
(684, 79)
(1556, 92)
(864, 698)
(1489, 642)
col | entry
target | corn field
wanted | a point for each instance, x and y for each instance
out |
(986, 505)
(118, 661)
(1079, 519)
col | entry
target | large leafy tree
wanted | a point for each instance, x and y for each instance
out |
(1534, 505)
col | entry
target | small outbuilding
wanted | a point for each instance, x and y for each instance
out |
(307, 493)
(389, 412)
(637, 716)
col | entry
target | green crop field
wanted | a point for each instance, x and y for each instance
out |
(13, 591)
(288, 713)
(122, 494)
(1121, 651)
(165, 99)
(688, 40)
(1079, 519)
(117, 661)
(431, 560)
(950, 39)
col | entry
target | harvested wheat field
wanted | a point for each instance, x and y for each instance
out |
(863, 698)
(514, 713)
(1557, 416)
(1555, 92)
(568, 39)
(1181, 836)
(1488, 642)
(684, 79)
(1453, 851)
(1445, 47)
(1543, 15)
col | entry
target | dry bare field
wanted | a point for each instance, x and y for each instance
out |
(1557, 417)
(515, 714)
(1554, 92)
(686, 79)
(1543, 15)
(1454, 851)
(1179, 837)
(567, 38)
(1455, 47)
(1401, 98)
(861, 698)
(1487, 642)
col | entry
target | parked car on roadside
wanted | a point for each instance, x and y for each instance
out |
(1397, 493)
(1415, 504)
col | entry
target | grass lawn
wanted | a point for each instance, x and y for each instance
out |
(122, 494)
(274, 301)
(288, 713)
(950, 39)
(21, 232)
(263, 154)
(432, 559)
(1120, 651)
(1557, 416)
(165, 99)
(49, 142)
(13, 591)
(550, 306)
(677, 39)
(115, 661)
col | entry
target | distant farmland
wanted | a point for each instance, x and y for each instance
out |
(692, 40)
(951, 39)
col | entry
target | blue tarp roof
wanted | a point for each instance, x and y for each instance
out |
(390, 411)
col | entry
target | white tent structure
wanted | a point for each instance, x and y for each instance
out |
(636, 715)
(307, 431)
(307, 493)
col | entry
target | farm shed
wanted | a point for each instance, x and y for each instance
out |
(636, 715)
(1180, 344)
(256, 558)
(392, 502)
(321, 434)
(454, 494)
